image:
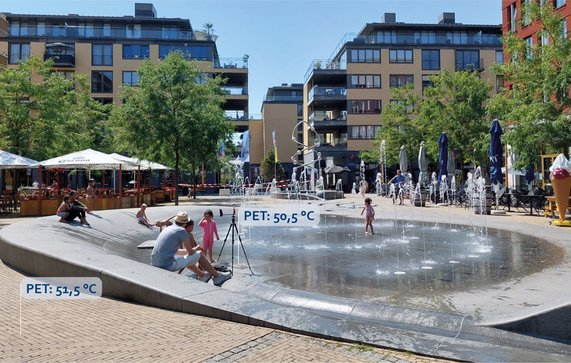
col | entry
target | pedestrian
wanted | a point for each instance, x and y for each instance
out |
(63, 209)
(208, 224)
(369, 215)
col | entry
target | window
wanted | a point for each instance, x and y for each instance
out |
(398, 80)
(104, 100)
(499, 84)
(364, 132)
(365, 81)
(102, 82)
(564, 28)
(528, 47)
(130, 78)
(467, 60)
(426, 82)
(408, 108)
(499, 57)
(400, 56)
(559, 3)
(85, 30)
(431, 59)
(102, 54)
(136, 51)
(18, 52)
(513, 17)
(196, 52)
(169, 32)
(365, 56)
(365, 106)
(19, 29)
(526, 12)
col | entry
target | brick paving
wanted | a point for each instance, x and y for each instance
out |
(107, 330)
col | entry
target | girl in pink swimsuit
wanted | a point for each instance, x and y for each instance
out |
(208, 224)
(369, 216)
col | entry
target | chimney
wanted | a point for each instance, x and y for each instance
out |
(145, 9)
(389, 18)
(447, 18)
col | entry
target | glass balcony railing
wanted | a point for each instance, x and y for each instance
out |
(61, 59)
(284, 99)
(327, 92)
(103, 32)
(325, 64)
(234, 91)
(319, 116)
(230, 63)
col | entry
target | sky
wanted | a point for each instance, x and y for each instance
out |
(281, 37)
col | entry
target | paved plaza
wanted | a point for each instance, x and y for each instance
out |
(109, 330)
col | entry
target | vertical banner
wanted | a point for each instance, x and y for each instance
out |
(275, 146)
(245, 154)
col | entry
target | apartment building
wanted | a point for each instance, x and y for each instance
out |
(3, 34)
(514, 19)
(109, 50)
(344, 95)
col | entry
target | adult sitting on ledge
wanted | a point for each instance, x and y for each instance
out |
(169, 241)
(78, 209)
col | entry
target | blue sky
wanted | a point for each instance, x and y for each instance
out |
(281, 37)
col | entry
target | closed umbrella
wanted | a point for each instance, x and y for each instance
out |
(422, 164)
(403, 161)
(530, 174)
(496, 153)
(443, 160)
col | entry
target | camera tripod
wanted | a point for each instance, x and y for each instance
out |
(234, 229)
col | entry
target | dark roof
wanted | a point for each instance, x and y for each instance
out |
(370, 27)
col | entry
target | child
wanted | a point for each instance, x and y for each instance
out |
(63, 209)
(142, 216)
(369, 216)
(208, 224)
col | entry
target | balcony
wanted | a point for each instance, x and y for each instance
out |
(474, 66)
(63, 55)
(114, 33)
(234, 90)
(327, 93)
(230, 63)
(326, 66)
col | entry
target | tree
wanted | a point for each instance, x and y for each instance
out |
(173, 116)
(209, 28)
(397, 126)
(270, 168)
(535, 105)
(43, 114)
(455, 104)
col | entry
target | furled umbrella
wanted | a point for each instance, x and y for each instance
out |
(496, 153)
(443, 159)
(450, 166)
(403, 161)
(422, 164)
(530, 176)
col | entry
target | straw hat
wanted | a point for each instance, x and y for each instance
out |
(181, 217)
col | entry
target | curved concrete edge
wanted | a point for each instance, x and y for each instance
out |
(43, 247)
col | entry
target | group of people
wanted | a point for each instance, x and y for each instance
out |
(71, 208)
(176, 249)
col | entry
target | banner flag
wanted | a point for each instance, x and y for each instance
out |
(275, 146)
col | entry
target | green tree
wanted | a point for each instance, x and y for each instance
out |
(455, 104)
(398, 126)
(270, 168)
(43, 115)
(174, 116)
(535, 105)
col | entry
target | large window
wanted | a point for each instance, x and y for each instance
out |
(431, 59)
(365, 56)
(18, 52)
(102, 82)
(559, 3)
(196, 52)
(366, 132)
(136, 51)
(499, 57)
(398, 80)
(400, 56)
(365, 81)
(102, 54)
(365, 106)
(467, 60)
(426, 82)
(528, 47)
(130, 78)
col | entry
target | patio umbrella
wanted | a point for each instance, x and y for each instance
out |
(443, 160)
(13, 161)
(403, 161)
(496, 153)
(422, 164)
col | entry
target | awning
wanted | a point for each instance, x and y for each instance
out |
(334, 169)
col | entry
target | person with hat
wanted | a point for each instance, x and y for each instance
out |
(165, 256)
